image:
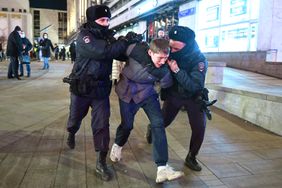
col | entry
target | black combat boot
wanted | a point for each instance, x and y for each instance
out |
(149, 134)
(71, 140)
(192, 162)
(102, 170)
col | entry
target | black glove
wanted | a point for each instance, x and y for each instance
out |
(133, 37)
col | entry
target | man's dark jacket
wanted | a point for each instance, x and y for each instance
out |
(15, 45)
(28, 45)
(139, 75)
(73, 50)
(46, 44)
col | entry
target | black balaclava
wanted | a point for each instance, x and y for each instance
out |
(182, 34)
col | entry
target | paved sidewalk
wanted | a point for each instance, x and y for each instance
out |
(36, 72)
(33, 153)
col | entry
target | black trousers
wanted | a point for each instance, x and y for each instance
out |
(100, 115)
(197, 119)
(13, 67)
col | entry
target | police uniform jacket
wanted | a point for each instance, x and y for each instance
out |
(139, 75)
(96, 48)
(190, 79)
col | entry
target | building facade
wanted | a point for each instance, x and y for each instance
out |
(77, 15)
(13, 13)
(243, 33)
(33, 21)
(144, 16)
(53, 22)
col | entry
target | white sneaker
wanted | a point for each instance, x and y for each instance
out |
(115, 155)
(168, 173)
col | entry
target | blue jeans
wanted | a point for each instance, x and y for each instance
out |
(46, 62)
(152, 108)
(27, 68)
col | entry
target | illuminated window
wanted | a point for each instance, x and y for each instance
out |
(227, 26)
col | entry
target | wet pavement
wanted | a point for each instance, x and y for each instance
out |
(33, 153)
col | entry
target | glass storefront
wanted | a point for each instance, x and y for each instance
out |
(228, 26)
(163, 21)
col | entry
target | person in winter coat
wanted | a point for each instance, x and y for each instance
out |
(91, 84)
(45, 45)
(56, 51)
(1, 52)
(25, 55)
(14, 51)
(63, 52)
(73, 51)
(135, 90)
(36, 50)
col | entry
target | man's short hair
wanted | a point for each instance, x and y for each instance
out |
(17, 28)
(160, 46)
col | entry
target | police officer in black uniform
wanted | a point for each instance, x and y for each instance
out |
(96, 49)
(189, 71)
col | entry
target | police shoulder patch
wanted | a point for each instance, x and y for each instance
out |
(86, 39)
(201, 66)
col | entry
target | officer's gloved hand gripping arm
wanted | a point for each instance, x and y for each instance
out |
(90, 47)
